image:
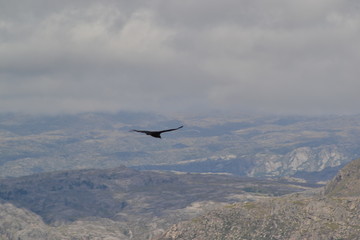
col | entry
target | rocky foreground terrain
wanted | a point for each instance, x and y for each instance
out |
(119, 203)
(126, 204)
(333, 213)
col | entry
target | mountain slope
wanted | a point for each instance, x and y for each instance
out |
(333, 215)
(119, 203)
(21, 224)
(346, 183)
(16, 223)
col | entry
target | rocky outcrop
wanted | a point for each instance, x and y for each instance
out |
(21, 224)
(346, 183)
(307, 159)
(334, 214)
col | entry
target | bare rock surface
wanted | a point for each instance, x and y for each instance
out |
(332, 214)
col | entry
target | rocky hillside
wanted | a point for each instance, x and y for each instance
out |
(17, 223)
(118, 203)
(346, 183)
(21, 224)
(333, 214)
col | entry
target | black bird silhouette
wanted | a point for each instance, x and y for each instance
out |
(155, 134)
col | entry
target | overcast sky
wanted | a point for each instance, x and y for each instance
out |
(180, 56)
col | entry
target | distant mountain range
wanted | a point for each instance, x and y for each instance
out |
(330, 214)
(313, 148)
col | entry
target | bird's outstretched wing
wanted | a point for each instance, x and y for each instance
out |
(140, 131)
(169, 130)
(155, 134)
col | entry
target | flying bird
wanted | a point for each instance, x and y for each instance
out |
(155, 134)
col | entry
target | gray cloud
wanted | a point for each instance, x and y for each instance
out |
(281, 56)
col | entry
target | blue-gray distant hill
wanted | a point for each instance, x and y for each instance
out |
(313, 148)
(119, 203)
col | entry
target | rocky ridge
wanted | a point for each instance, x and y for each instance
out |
(333, 213)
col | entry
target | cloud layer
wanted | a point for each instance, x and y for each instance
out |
(283, 56)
